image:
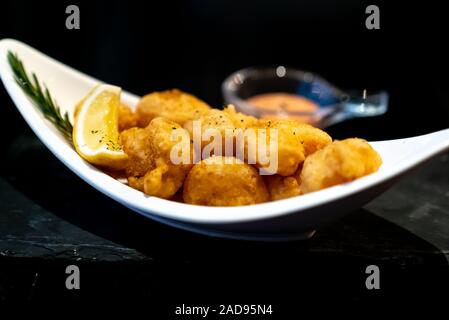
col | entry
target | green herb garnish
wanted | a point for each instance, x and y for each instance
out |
(40, 96)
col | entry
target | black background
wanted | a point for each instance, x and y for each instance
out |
(193, 45)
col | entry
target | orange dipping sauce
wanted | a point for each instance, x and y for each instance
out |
(279, 105)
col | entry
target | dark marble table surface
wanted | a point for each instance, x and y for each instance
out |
(49, 218)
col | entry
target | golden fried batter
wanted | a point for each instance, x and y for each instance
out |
(164, 134)
(312, 138)
(290, 149)
(281, 187)
(294, 140)
(151, 168)
(136, 183)
(137, 146)
(338, 162)
(214, 123)
(214, 182)
(224, 119)
(213, 119)
(126, 118)
(165, 180)
(239, 119)
(173, 104)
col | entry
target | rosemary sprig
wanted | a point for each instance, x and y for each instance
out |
(40, 96)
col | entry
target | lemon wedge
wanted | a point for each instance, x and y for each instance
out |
(95, 131)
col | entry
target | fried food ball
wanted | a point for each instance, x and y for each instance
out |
(224, 181)
(239, 119)
(137, 146)
(152, 167)
(164, 135)
(214, 124)
(338, 162)
(136, 183)
(126, 118)
(288, 145)
(312, 138)
(281, 187)
(214, 119)
(168, 176)
(295, 142)
(174, 105)
(165, 180)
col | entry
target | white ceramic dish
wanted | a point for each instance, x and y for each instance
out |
(293, 218)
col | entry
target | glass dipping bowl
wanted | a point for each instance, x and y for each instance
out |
(332, 104)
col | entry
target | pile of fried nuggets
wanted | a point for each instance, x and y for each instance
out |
(308, 159)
